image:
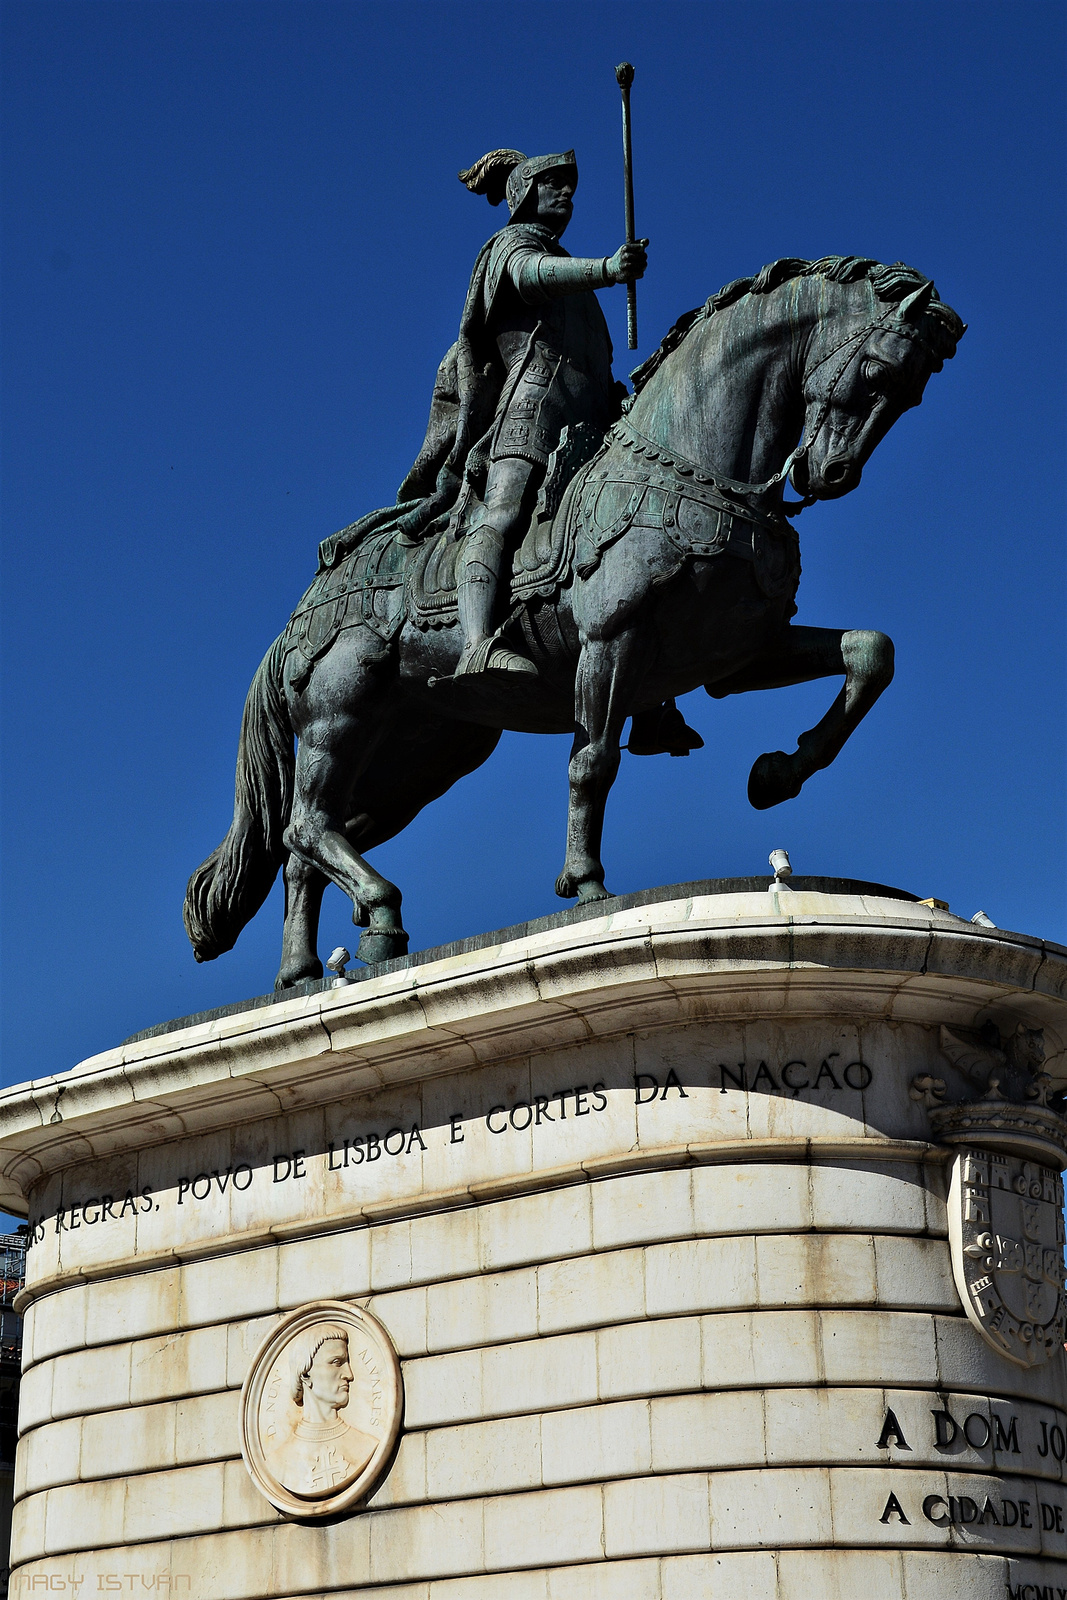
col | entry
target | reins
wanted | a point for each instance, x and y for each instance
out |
(689, 469)
(857, 337)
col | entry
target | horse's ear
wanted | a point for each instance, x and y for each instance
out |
(912, 308)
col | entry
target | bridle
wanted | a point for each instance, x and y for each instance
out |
(858, 337)
(851, 344)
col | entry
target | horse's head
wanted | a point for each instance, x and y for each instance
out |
(834, 350)
(862, 371)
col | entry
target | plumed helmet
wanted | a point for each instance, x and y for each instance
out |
(508, 174)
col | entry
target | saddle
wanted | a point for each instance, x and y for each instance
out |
(542, 563)
(592, 496)
(364, 587)
(372, 575)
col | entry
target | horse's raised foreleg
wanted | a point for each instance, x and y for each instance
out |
(865, 658)
(329, 757)
(606, 671)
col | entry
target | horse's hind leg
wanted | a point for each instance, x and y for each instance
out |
(332, 752)
(865, 658)
(304, 887)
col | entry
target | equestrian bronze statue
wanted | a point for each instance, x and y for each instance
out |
(563, 559)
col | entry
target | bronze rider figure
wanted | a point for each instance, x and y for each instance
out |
(533, 332)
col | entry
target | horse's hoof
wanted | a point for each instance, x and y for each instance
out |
(568, 887)
(772, 780)
(382, 944)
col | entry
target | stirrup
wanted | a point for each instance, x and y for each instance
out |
(501, 659)
(491, 656)
(662, 731)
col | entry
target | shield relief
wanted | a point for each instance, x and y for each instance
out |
(1006, 1233)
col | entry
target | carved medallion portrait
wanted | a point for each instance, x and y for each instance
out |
(320, 1409)
(1007, 1237)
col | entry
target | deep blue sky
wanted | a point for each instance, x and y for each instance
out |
(235, 249)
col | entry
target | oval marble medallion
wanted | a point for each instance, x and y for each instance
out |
(320, 1409)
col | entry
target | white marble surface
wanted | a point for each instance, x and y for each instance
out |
(686, 1431)
(734, 959)
(652, 1308)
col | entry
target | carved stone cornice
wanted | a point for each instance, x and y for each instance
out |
(1033, 1132)
(692, 954)
(1010, 1113)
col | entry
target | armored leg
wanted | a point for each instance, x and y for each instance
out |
(483, 558)
(486, 549)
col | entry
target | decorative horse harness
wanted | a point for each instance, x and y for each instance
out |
(699, 512)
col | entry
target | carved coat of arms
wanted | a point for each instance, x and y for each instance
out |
(1007, 1236)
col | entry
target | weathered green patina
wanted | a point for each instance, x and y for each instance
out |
(659, 556)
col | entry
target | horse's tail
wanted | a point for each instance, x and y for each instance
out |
(231, 885)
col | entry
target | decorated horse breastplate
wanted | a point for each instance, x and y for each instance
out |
(642, 486)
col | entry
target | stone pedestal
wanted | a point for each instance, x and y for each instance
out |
(648, 1205)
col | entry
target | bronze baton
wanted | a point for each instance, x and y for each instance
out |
(624, 74)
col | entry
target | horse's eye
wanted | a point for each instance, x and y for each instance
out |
(877, 375)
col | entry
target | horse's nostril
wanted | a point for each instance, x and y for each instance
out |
(837, 471)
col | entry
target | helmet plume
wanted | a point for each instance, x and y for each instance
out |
(489, 176)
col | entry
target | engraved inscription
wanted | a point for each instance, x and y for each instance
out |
(830, 1075)
(567, 1106)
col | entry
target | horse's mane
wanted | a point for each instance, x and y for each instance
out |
(942, 328)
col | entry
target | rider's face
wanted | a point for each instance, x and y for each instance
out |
(555, 204)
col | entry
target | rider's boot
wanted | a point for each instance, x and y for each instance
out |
(483, 652)
(662, 730)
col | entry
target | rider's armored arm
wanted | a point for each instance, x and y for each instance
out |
(543, 277)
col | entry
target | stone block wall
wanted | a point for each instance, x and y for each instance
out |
(691, 1329)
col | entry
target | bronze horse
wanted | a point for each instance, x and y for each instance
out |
(676, 566)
